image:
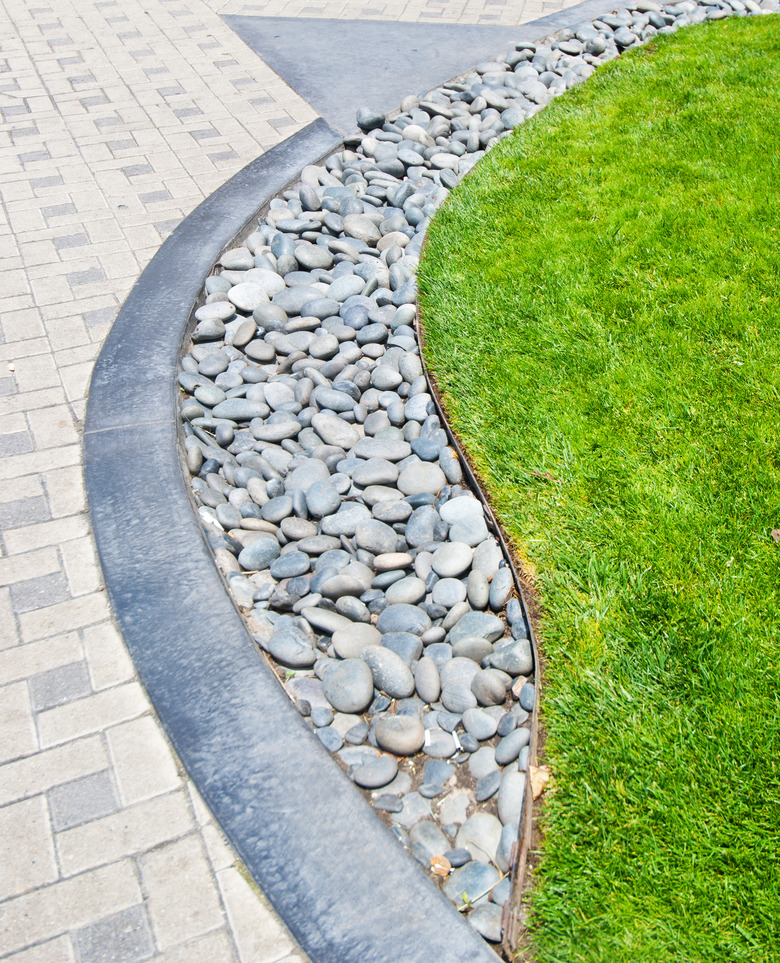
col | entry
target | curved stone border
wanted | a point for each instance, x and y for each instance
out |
(227, 716)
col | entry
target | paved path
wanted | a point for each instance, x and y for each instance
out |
(118, 118)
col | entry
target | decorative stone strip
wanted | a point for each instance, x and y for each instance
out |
(331, 493)
(322, 392)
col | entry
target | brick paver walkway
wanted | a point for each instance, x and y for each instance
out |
(118, 118)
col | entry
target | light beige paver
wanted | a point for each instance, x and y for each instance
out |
(25, 847)
(117, 117)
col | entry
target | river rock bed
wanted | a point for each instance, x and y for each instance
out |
(331, 493)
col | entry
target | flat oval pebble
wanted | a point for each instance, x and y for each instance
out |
(478, 589)
(391, 674)
(472, 880)
(401, 735)
(448, 592)
(428, 835)
(334, 430)
(453, 560)
(488, 686)
(375, 471)
(488, 786)
(247, 296)
(481, 624)
(216, 311)
(457, 698)
(480, 834)
(486, 920)
(500, 589)
(479, 724)
(348, 686)
(324, 620)
(403, 618)
(422, 477)
(392, 561)
(409, 590)
(330, 738)
(426, 679)
(350, 642)
(482, 762)
(376, 774)
(457, 857)
(458, 671)
(439, 744)
(509, 748)
(515, 659)
(510, 797)
(259, 554)
(290, 565)
(375, 537)
(291, 647)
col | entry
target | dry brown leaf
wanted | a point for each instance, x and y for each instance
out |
(440, 865)
(540, 776)
(776, 534)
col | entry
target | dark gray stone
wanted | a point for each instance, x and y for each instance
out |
(348, 686)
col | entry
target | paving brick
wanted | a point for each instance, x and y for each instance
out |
(33, 593)
(107, 656)
(26, 511)
(39, 773)
(92, 714)
(9, 631)
(68, 904)
(215, 946)
(99, 316)
(45, 534)
(53, 427)
(16, 723)
(132, 830)
(57, 210)
(144, 764)
(64, 616)
(23, 661)
(78, 802)
(52, 951)
(29, 401)
(259, 934)
(81, 567)
(15, 443)
(36, 461)
(180, 913)
(219, 852)
(57, 686)
(26, 851)
(124, 937)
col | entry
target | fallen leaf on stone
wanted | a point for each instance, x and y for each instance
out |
(540, 776)
(440, 865)
(776, 534)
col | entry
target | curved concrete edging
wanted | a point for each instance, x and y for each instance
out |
(337, 876)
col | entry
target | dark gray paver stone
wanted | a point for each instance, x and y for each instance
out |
(57, 686)
(122, 938)
(82, 800)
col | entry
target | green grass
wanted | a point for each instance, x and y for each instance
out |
(602, 311)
